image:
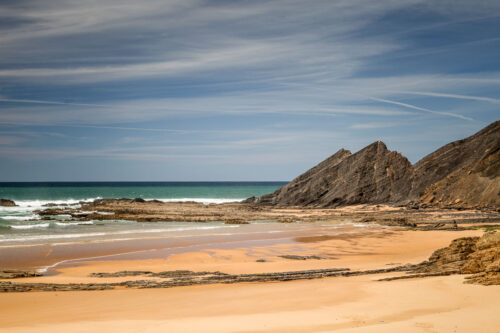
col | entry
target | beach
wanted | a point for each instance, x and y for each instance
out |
(349, 305)
(218, 265)
(249, 166)
(344, 304)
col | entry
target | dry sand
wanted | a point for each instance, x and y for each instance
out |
(340, 304)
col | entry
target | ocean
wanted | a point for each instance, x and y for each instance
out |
(69, 192)
(20, 226)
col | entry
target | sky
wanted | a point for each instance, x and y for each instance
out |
(227, 90)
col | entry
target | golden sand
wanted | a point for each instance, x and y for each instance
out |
(340, 304)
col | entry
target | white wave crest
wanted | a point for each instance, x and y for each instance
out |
(19, 217)
(31, 226)
(96, 234)
(46, 237)
(69, 224)
(31, 205)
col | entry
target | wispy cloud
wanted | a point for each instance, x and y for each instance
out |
(193, 82)
(435, 94)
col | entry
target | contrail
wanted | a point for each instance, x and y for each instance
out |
(475, 98)
(35, 101)
(410, 106)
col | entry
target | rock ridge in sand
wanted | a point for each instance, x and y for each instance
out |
(464, 173)
(478, 256)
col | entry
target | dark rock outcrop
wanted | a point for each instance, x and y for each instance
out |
(164, 274)
(16, 274)
(295, 257)
(484, 263)
(479, 256)
(7, 203)
(188, 278)
(305, 188)
(464, 173)
(372, 175)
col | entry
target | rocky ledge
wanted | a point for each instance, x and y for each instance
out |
(188, 278)
(479, 256)
(238, 213)
(16, 274)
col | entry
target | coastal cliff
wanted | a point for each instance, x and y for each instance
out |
(372, 175)
(464, 173)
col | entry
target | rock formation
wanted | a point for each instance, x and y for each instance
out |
(7, 203)
(463, 173)
(16, 273)
(372, 175)
(479, 256)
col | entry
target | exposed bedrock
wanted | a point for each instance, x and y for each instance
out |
(464, 173)
(479, 256)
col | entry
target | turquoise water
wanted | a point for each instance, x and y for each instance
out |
(21, 225)
(146, 190)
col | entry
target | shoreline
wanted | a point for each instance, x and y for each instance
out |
(362, 251)
(50, 255)
(290, 276)
(243, 223)
(344, 303)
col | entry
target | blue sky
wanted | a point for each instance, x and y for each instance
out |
(236, 90)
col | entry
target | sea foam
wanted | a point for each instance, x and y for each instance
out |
(23, 238)
(205, 201)
(30, 226)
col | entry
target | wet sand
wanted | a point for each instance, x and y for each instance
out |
(344, 304)
(52, 255)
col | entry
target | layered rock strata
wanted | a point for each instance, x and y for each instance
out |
(464, 173)
(479, 256)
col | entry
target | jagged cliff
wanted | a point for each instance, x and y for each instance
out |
(464, 172)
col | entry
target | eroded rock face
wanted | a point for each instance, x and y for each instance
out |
(484, 263)
(306, 188)
(372, 175)
(7, 203)
(464, 173)
(450, 259)
(468, 255)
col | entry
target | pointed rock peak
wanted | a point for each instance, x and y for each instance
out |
(377, 146)
(381, 145)
(342, 152)
(333, 160)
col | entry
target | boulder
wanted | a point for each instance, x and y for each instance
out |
(7, 203)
